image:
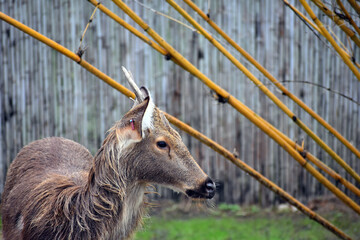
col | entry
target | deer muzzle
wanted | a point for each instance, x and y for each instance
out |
(206, 190)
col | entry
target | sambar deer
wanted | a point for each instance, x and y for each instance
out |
(55, 189)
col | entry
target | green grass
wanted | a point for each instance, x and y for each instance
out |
(230, 222)
(268, 225)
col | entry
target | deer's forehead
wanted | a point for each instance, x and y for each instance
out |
(167, 132)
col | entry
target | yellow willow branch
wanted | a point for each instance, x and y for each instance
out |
(317, 162)
(265, 90)
(272, 78)
(351, 20)
(355, 6)
(212, 144)
(301, 15)
(128, 26)
(133, 30)
(332, 173)
(327, 35)
(341, 23)
(239, 106)
(316, 28)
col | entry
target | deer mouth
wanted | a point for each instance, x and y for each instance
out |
(207, 190)
(194, 194)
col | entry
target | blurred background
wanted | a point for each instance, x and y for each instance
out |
(43, 93)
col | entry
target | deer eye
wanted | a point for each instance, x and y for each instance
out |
(161, 144)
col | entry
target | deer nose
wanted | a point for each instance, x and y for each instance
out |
(209, 188)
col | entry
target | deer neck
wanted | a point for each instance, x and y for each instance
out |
(115, 196)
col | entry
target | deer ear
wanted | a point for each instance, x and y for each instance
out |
(148, 118)
(138, 120)
(145, 92)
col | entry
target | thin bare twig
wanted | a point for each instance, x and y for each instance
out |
(80, 50)
(165, 15)
(323, 87)
(307, 24)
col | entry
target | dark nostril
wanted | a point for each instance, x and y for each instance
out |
(210, 186)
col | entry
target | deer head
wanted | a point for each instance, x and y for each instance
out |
(158, 154)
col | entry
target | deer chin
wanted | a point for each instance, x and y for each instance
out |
(192, 193)
(196, 195)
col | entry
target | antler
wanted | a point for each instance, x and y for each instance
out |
(139, 95)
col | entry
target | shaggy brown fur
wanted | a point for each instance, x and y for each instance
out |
(55, 189)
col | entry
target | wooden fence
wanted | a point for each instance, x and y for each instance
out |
(42, 93)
